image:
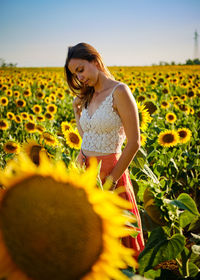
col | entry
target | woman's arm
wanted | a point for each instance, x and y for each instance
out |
(77, 113)
(128, 112)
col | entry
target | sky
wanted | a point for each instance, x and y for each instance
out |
(38, 33)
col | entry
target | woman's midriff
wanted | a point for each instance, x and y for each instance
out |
(92, 153)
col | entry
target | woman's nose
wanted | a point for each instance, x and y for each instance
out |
(81, 78)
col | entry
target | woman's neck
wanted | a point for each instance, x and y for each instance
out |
(103, 83)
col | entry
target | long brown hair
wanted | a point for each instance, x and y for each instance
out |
(89, 53)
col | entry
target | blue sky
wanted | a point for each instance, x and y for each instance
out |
(125, 32)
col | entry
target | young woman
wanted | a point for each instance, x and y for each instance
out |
(106, 114)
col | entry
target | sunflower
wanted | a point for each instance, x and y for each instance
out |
(191, 111)
(141, 98)
(73, 138)
(16, 93)
(31, 117)
(154, 96)
(144, 116)
(10, 115)
(151, 107)
(183, 97)
(40, 118)
(40, 95)
(4, 125)
(49, 139)
(24, 115)
(60, 242)
(20, 103)
(165, 104)
(52, 108)
(60, 95)
(9, 92)
(37, 109)
(32, 148)
(47, 100)
(30, 127)
(65, 126)
(52, 97)
(171, 117)
(4, 101)
(40, 128)
(184, 108)
(143, 139)
(27, 92)
(4, 87)
(184, 135)
(165, 90)
(49, 116)
(168, 138)
(18, 119)
(73, 122)
(11, 147)
(191, 94)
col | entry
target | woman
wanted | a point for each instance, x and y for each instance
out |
(106, 113)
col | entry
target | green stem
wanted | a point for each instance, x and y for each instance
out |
(185, 264)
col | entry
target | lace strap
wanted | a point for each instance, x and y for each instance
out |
(115, 88)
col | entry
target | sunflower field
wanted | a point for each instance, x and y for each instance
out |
(37, 118)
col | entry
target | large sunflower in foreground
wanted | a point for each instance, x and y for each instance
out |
(168, 138)
(144, 116)
(184, 135)
(56, 224)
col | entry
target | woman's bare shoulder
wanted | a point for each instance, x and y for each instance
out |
(122, 90)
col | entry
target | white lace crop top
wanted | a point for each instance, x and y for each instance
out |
(103, 131)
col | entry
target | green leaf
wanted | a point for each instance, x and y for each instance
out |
(152, 274)
(193, 269)
(140, 159)
(195, 225)
(184, 201)
(186, 218)
(150, 173)
(160, 248)
(147, 223)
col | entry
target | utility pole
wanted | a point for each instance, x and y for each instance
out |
(196, 51)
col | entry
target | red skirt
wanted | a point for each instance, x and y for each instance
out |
(107, 164)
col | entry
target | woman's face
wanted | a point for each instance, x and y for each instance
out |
(86, 72)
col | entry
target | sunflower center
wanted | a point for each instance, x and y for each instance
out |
(48, 116)
(182, 133)
(51, 109)
(20, 103)
(50, 229)
(30, 125)
(168, 138)
(165, 91)
(11, 147)
(171, 117)
(74, 138)
(49, 138)
(2, 124)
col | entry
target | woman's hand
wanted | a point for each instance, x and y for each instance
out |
(77, 106)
